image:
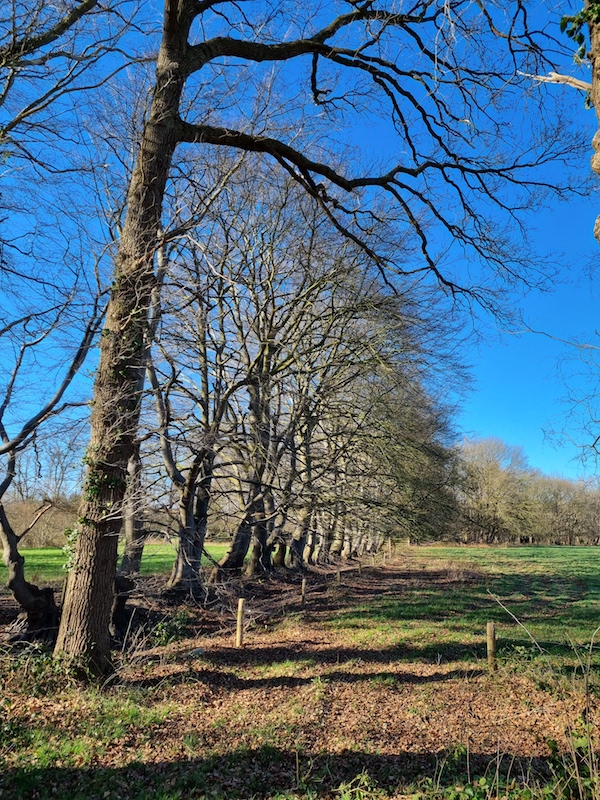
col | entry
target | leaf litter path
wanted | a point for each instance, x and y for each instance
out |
(307, 702)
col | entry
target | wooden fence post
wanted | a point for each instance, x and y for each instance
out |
(491, 646)
(303, 591)
(338, 576)
(239, 634)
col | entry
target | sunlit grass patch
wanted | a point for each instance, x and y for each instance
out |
(94, 723)
(48, 563)
(550, 595)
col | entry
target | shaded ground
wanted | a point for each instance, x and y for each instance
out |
(308, 706)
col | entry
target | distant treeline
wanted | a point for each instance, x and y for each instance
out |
(501, 499)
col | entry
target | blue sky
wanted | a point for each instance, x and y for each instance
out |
(519, 394)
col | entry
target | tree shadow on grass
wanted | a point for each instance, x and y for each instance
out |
(404, 663)
(343, 665)
(438, 595)
(266, 772)
(441, 652)
(232, 682)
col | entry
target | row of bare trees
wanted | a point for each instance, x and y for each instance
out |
(276, 369)
(289, 388)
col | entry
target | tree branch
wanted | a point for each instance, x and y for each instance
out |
(555, 77)
(84, 346)
(38, 515)
(12, 54)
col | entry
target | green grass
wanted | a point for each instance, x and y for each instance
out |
(544, 595)
(554, 592)
(47, 563)
(436, 610)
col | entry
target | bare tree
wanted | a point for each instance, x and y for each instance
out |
(49, 53)
(497, 501)
(28, 338)
(437, 82)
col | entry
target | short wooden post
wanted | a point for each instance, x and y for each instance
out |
(491, 646)
(373, 560)
(303, 591)
(360, 567)
(239, 634)
(389, 549)
(338, 576)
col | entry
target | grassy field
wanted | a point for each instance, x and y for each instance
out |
(547, 596)
(377, 688)
(47, 564)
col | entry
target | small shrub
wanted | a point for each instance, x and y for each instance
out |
(171, 629)
(362, 787)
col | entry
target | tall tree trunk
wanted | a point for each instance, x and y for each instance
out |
(193, 516)
(232, 562)
(337, 530)
(595, 98)
(309, 547)
(84, 629)
(259, 561)
(185, 575)
(348, 538)
(280, 553)
(320, 550)
(134, 522)
(298, 540)
(360, 541)
(277, 543)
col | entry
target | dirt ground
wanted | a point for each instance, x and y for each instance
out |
(325, 703)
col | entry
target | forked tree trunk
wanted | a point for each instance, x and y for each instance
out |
(193, 518)
(84, 629)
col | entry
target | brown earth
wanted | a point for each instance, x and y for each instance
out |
(305, 702)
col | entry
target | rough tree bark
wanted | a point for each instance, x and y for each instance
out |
(232, 562)
(84, 629)
(133, 521)
(594, 90)
(260, 552)
(40, 620)
(194, 501)
(297, 542)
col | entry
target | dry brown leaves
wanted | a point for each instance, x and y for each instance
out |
(312, 693)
